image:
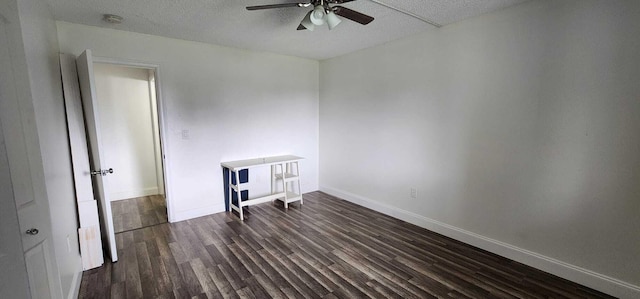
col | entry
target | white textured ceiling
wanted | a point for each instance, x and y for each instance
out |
(228, 23)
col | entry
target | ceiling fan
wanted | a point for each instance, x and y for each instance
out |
(321, 13)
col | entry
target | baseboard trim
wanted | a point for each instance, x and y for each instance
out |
(198, 212)
(556, 267)
(74, 289)
(133, 193)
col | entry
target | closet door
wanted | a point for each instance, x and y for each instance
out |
(25, 223)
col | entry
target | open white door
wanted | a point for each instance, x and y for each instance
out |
(99, 170)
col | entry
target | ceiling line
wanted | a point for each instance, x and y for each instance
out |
(432, 23)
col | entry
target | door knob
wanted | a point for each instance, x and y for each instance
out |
(32, 231)
(102, 172)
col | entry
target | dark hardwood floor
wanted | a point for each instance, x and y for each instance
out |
(325, 248)
(138, 212)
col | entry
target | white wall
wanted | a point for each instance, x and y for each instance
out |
(235, 104)
(519, 129)
(41, 51)
(37, 75)
(127, 130)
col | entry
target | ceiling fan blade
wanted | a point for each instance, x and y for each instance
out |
(269, 6)
(352, 15)
(339, 1)
(300, 27)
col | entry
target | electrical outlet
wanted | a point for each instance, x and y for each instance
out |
(414, 193)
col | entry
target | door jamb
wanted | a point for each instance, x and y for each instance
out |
(162, 125)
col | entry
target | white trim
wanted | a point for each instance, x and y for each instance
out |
(198, 212)
(133, 193)
(125, 62)
(164, 147)
(162, 125)
(74, 289)
(556, 267)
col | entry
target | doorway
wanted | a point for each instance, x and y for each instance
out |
(131, 142)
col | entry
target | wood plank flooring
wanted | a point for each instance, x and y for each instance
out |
(326, 248)
(138, 212)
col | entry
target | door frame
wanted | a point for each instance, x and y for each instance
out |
(162, 124)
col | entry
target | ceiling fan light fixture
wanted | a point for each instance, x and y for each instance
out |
(306, 22)
(322, 12)
(318, 15)
(332, 20)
